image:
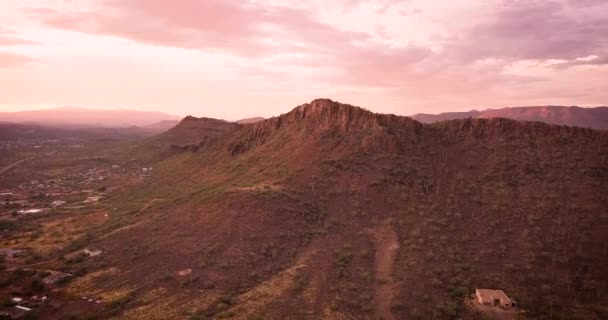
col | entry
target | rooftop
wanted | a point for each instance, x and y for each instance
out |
(491, 294)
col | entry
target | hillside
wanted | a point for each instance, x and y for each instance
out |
(192, 131)
(250, 120)
(162, 126)
(78, 117)
(333, 212)
(596, 118)
(187, 134)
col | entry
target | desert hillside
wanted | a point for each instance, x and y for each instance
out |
(334, 212)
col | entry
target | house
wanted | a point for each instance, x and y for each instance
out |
(92, 252)
(30, 211)
(92, 199)
(57, 203)
(493, 298)
(23, 308)
(185, 272)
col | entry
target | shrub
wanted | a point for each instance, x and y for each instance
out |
(343, 258)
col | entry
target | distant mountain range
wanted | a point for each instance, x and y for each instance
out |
(76, 116)
(114, 118)
(596, 118)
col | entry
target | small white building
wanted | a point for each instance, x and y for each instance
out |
(58, 203)
(494, 298)
(30, 211)
(92, 199)
(92, 252)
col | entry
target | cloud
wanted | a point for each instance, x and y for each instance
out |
(535, 30)
(241, 28)
(7, 38)
(12, 60)
(250, 30)
(414, 50)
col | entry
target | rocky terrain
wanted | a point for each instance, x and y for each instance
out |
(333, 212)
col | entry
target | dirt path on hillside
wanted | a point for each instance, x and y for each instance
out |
(14, 164)
(387, 244)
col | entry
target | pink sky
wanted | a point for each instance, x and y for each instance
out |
(236, 58)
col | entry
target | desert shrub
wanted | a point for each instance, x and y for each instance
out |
(256, 316)
(36, 285)
(447, 310)
(81, 272)
(343, 258)
(299, 282)
(199, 315)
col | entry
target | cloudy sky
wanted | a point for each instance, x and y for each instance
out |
(238, 58)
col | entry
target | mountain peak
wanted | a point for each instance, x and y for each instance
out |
(325, 118)
(326, 113)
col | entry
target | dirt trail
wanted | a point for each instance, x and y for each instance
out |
(14, 164)
(387, 244)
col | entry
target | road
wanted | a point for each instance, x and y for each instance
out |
(14, 164)
(387, 245)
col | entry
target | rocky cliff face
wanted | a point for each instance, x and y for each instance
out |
(373, 132)
(326, 118)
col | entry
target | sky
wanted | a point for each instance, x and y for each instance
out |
(232, 59)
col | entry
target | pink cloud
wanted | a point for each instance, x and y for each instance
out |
(249, 30)
(8, 37)
(237, 27)
(12, 60)
(287, 48)
(535, 29)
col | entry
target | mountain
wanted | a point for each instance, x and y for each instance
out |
(192, 130)
(163, 125)
(333, 212)
(596, 118)
(430, 118)
(28, 131)
(79, 117)
(250, 120)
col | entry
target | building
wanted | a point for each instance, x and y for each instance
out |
(92, 199)
(493, 298)
(58, 203)
(92, 252)
(30, 211)
(23, 308)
